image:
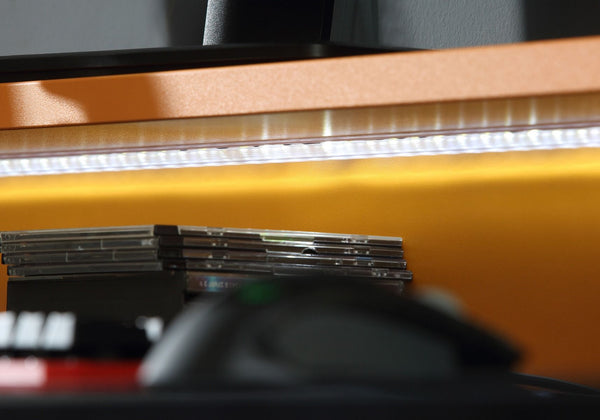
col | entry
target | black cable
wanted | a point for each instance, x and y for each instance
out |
(552, 384)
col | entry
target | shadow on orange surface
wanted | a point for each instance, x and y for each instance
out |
(78, 101)
(6, 119)
(133, 98)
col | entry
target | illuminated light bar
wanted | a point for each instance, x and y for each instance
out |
(488, 142)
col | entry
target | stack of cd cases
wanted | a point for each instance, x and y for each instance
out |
(196, 259)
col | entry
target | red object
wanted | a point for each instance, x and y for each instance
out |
(67, 375)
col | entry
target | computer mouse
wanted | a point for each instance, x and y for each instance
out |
(308, 330)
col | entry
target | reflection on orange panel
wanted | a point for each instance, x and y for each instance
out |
(513, 235)
(400, 120)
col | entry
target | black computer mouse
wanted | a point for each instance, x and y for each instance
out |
(306, 330)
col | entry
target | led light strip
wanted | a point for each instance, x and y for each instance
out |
(502, 141)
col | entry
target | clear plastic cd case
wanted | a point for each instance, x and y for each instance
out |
(211, 259)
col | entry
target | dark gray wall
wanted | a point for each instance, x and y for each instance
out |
(428, 23)
(48, 26)
(454, 23)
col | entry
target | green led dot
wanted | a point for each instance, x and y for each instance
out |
(259, 293)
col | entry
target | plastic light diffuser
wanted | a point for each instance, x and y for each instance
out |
(486, 142)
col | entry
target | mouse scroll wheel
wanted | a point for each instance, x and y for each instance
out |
(310, 251)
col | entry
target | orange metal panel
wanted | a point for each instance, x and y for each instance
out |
(529, 69)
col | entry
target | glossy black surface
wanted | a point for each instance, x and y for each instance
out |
(301, 330)
(103, 63)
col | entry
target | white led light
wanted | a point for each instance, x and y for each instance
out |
(58, 332)
(501, 141)
(7, 321)
(27, 330)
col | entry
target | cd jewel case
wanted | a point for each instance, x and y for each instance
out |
(204, 260)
